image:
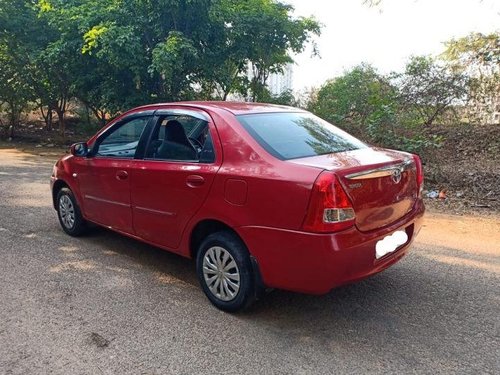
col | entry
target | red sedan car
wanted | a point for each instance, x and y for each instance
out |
(262, 196)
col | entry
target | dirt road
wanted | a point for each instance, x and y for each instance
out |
(106, 304)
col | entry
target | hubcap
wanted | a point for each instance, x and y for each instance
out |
(67, 211)
(221, 273)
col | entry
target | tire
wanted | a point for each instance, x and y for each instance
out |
(231, 287)
(69, 214)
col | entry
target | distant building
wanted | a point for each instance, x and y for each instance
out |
(277, 83)
(281, 82)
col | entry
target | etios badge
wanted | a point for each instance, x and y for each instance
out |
(396, 176)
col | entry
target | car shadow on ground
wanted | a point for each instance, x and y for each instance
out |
(389, 297)
(152, 258)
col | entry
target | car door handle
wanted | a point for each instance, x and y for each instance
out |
(121, 175)
(194, 180)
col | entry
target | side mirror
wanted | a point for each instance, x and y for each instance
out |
(79, 149)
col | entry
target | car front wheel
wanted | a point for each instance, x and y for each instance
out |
(225, 271)
(69, 213)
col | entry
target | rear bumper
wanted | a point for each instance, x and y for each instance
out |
(316, 263)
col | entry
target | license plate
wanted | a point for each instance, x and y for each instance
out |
(390, 243)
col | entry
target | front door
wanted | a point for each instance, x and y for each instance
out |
(104, 178)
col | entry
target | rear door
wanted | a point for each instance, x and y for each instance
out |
(173, 180)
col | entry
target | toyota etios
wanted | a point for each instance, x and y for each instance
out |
(261, 196)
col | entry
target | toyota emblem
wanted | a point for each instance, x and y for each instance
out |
(396, 176)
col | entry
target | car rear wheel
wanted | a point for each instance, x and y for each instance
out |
(69, 213)
(225, 271)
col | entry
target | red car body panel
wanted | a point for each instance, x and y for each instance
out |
(263, 199)
(316, 263)
(99, 187)
(380, 202)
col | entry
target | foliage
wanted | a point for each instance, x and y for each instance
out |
(176, 49)
(264, 33)
(361, 101)
(13, 91)
(116, 54)
(481, 51)
(390, 110)
(15, 66)
(427, 89)
(284, 98)
(372, 3)
(40, 60)
(478, 56)
(175, 59)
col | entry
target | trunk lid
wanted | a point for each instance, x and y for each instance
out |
(382, 184)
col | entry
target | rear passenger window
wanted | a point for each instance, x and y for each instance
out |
(181, 138)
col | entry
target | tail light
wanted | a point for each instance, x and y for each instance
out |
(330, 209)
(420, 174)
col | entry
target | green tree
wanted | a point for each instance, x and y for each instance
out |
(116, 54)
(104, 60)
(478, 56)
(361, 101)
(269, 34)
(174, 50)
(13, 90)
(39, 58)
(428, 89)
(390, 110)
(284, 98)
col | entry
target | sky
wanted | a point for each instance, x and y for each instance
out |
(385, 36)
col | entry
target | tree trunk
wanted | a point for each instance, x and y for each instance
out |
(102, 118)
(60, 109)
(438, 110)
(62, 124)
(47, 117)
(87, 113)
(15, 113)
(100, 115)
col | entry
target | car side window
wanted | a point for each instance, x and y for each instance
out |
(181, 138)
(122, 142)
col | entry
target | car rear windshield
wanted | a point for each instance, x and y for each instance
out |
(291, 135)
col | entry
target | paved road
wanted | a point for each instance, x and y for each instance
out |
(105, 304)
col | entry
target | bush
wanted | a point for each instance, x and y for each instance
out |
(390, 110)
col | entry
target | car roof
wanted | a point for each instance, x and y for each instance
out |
(236, 108)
